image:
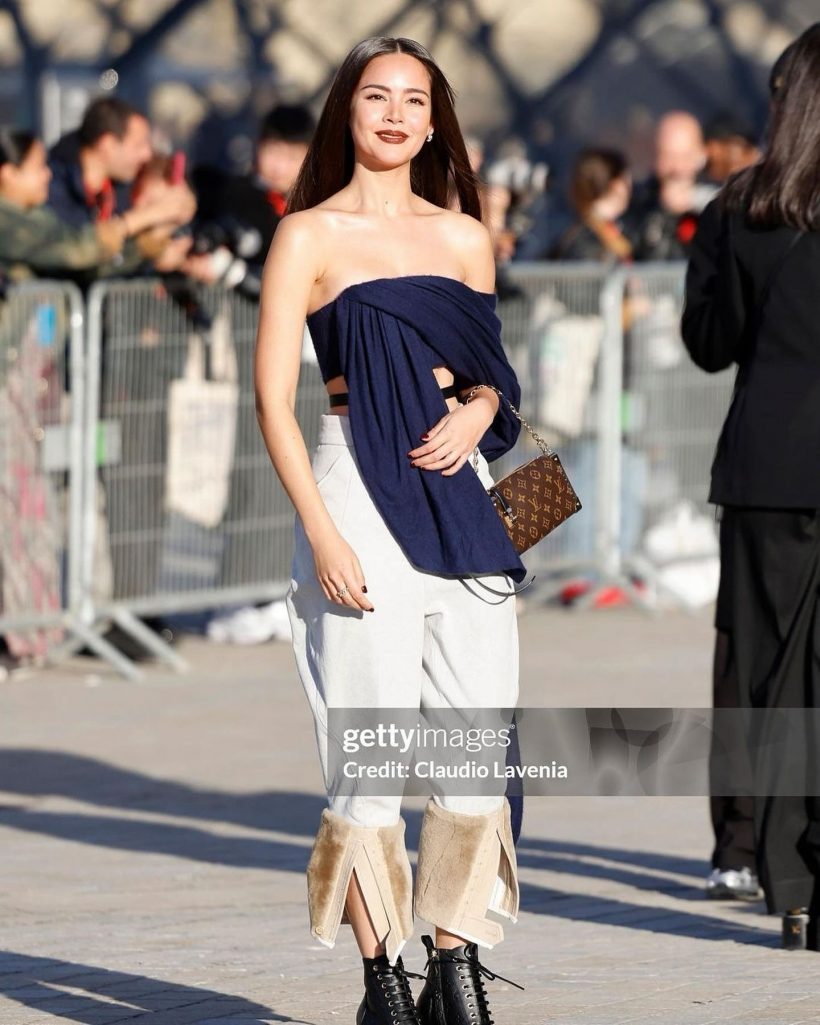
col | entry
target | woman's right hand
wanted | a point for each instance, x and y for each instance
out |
(336, 565)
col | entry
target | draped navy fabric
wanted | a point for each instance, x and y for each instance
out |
(386, 336)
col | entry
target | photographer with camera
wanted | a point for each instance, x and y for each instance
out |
(239, 214)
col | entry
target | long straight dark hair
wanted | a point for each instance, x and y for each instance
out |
(784, 186)
(439, 172)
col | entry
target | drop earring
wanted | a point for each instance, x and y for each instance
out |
(430, 135)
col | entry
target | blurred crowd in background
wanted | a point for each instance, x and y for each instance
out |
(105, 201)
(111, 200)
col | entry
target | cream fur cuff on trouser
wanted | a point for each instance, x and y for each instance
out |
(379, 857)
(466, 866)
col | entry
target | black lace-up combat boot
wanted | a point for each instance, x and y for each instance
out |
(387, 999)
(454, 993)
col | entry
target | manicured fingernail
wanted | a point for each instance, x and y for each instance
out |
(364, 588)
(425, 437)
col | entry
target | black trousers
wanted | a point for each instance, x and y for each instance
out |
(733, 815)
(767, 655)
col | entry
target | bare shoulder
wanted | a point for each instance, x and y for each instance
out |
(298, 228)
(472, 242)
(319, 224)
(301, 240)
(467, 227)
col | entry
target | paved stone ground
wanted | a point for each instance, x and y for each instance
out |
(154, 837)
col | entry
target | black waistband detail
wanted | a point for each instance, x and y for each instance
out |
(341, 399)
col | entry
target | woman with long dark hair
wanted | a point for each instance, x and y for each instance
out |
(751, 299)
(392, 515)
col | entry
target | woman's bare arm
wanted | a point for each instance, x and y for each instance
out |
(290, 272)
(287, 281)
(479, 263)
(450, 442)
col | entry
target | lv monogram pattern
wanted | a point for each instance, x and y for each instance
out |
(537, 496)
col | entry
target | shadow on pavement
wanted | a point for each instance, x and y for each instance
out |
(35, 773)
(584, 907)
(84, 993)
(642, 870)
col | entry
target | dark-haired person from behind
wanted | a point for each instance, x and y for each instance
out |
(751, 299)
(599, 192)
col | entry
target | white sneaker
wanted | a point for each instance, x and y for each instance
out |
(252, 625)
(733, 884)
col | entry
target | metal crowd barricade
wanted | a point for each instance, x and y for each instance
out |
(192, 513)
(672, 413)
(561, 331)
(41, 407)
(134, 479)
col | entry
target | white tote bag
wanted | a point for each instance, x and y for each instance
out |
(202, 413)
(568, 345)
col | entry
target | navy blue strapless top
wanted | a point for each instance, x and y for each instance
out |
(386, 336)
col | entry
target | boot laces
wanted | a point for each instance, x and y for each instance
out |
(473, 979)
(394, 981)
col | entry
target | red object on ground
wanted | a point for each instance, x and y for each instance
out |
(607, 597)
(610, 597)
(574, 590)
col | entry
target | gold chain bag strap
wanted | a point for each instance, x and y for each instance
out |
(537, 496)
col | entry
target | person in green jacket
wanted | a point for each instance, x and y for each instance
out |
(34, 241)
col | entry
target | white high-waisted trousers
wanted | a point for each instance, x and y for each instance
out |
(432, 642)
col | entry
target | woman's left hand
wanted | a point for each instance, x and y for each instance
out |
(453, 438)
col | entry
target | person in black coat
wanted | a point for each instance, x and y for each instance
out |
(751, 299)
